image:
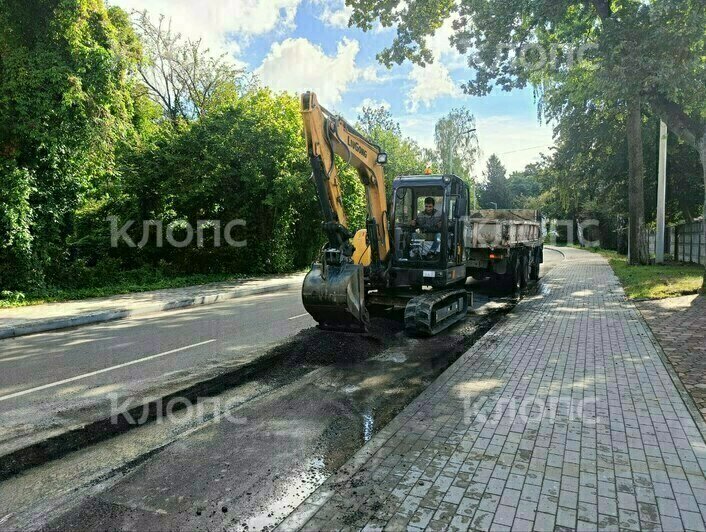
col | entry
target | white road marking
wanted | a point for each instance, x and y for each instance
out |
(98, 372)
(299, 316)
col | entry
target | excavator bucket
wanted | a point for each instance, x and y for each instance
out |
(335, 297)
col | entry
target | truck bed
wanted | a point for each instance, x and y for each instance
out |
(503, 228)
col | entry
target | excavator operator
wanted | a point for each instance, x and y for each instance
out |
(429, 222)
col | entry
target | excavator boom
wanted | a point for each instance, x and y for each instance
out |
(334, 290)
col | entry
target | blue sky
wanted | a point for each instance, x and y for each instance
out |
(297, 45)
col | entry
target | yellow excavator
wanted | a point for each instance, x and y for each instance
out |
(394, 261)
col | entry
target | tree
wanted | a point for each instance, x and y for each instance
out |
(243, 161)
(639, 253)
(403, 154)
(456, 141)
(525, 185)
(66, 99)
(181, 75)
(494, 192)
(373, 119)
(644, 52)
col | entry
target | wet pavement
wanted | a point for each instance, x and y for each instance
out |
(260, 465)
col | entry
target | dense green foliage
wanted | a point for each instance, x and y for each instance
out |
(66, 104)
(245, 161)
(89, 146)
(82, 139)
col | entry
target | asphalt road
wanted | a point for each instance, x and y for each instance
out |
(294, 422)
(49, 365)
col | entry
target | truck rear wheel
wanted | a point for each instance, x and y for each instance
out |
(514, 275)
(534, 271)
(524, 271)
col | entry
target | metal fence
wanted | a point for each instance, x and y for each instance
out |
(684, 243)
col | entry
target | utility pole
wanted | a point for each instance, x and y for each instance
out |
(661, 192)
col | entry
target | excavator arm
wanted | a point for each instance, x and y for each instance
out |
(326, 135)
(334, 290)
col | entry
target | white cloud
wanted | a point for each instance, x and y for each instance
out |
(337, 15)
(430, 82)
(372, 74)
(434, 80)
(220, 23)
(441, 48)
(370, 102)
(298, 65)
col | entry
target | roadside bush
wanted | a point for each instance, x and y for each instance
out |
(246, 161)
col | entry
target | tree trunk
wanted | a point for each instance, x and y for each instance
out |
(702, 153)
(638, 241)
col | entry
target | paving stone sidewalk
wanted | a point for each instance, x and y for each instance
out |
(679, 323)
(564, 416)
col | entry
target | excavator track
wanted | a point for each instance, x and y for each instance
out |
(429, 314)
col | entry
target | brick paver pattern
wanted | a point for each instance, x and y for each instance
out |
(679, 323)
(562, 416)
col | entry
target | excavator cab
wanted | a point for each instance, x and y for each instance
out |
(413, 241)
(424, 255)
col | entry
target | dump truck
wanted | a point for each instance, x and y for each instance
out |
(505, 245)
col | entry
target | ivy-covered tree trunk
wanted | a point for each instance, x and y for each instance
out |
(702, 153)
(638, 247)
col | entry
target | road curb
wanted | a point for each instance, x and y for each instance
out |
(559, 251)
(148, 308)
